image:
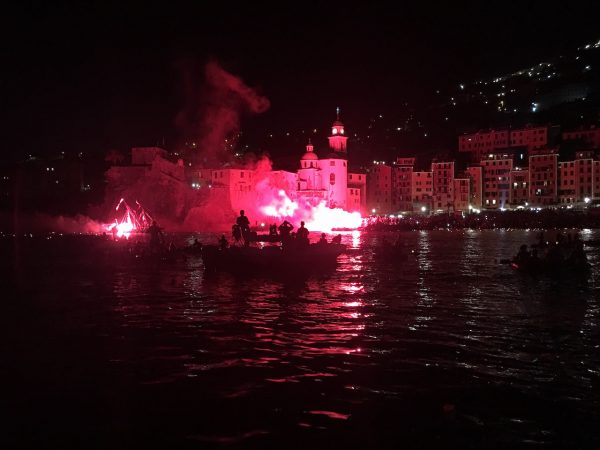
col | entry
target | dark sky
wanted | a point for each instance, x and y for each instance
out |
(110, 75)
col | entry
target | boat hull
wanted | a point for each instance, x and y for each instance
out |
(272, 259)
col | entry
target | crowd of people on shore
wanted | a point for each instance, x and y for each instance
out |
(520, 219)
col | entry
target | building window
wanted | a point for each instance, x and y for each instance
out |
(332, 163)
(332, 177)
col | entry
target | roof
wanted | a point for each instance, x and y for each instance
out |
(310, 155)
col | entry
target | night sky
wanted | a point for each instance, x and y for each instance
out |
(90, 78)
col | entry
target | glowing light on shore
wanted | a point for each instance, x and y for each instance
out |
(281, 207)
(130, 222)
(326, 219)
(317, 218)
(124, 228)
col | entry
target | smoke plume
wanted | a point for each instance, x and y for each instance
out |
(212, 114)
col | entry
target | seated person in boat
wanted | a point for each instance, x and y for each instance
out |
(523, 256)
(223, 244)
(273, 230)
(285, 229)
(236, 232)
(323, 240)
(302, 235)
(337, 239)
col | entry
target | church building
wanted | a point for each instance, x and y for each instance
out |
(327, 179)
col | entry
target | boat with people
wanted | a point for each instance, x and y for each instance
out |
(557, 259)
(294, 255)
(269, 259)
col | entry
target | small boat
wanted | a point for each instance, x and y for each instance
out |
(556, 271)
(272, 259)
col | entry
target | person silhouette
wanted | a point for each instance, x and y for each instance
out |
(285, 229)
(302, 235)
(223, 242)
(244, 223)
(156, 236)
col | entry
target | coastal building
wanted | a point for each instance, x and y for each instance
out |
(515, 142)
(496, 178)
(475, 175)
(422, 191)
(576, 179)
(443, 185)
(587, 136)
(483, 142)
(530, 137)
(402, 184)
(543, 178)
(379, 189)
(462, 194)
(357, 181)
(519, 187)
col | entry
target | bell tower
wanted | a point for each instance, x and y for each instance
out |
(337, 140)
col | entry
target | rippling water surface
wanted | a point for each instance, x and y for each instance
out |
(441, 348)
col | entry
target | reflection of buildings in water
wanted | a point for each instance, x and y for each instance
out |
(469, 258)
(425, 300)
(356, 239)
(315, 316)
(326, 318)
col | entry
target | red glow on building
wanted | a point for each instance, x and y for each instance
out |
(337, 140)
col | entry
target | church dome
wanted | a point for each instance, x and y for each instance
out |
(337, 123)
(310, 155)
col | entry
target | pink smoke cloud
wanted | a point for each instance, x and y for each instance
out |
(213, 113)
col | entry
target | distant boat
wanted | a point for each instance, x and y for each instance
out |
(557, 272)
